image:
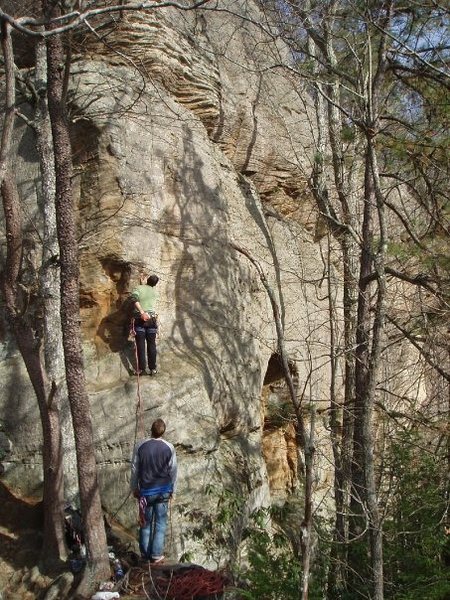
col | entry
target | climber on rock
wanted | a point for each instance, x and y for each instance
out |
(145, 324)
(153, 481)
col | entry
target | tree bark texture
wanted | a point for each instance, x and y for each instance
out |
(53, 535)
(94, 530)
(10, 97)
(53, 540)
(50, 280)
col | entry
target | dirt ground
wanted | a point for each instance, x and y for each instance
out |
(20, 543)
(20, 548)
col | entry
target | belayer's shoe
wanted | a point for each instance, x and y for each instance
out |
(153, 372)
(155, 560)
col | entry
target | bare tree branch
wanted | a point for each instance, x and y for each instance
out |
(426, 355)
(10, 98)
(78, 19)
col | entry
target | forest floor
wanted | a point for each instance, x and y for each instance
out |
(20, 549)
(20, 544)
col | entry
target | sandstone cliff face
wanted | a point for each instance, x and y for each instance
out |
(174, 164)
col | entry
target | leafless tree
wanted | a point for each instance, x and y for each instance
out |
(357, 60)
(44, 375)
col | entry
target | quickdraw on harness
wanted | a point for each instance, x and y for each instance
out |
(143, 503)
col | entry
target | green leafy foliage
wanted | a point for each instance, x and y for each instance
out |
(417, 548)
(273, 571)
(273, 565)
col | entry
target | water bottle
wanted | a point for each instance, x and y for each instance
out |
(118, 570)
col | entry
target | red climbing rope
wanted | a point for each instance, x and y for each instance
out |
(140, 432)
(181, 582)
(191, 583)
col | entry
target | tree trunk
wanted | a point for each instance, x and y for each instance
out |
(304, 439)
(358, 498)
(97, 556)
(341, 432)
(54, 548)
(341, 225)
(376, 530)
(53, 543)
(49, 287)
(10, 98)
(364, 507)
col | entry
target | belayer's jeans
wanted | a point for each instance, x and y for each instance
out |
(152, 534)
(146, 337)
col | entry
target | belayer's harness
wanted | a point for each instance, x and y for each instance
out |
(144, 501)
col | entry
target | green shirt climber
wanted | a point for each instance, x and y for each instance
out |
(145, 299)
(145, 325)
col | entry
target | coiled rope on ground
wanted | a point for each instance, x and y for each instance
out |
(187, 583)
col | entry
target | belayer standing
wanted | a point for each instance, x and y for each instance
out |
(145, 324)
(153, 481)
